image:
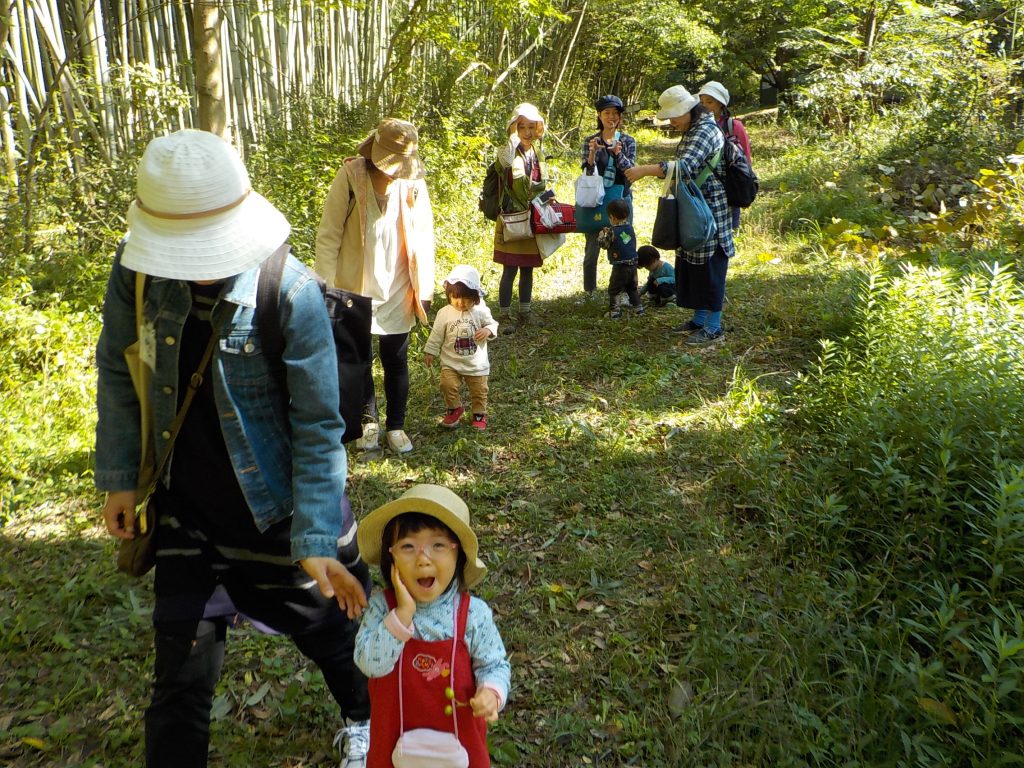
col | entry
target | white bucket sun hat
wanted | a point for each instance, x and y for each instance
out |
(466, 275)
(530, 112)
(716, 91)
(195, 216)
(436, 501)
(675, 102)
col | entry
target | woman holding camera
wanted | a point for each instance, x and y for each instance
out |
(608, 152)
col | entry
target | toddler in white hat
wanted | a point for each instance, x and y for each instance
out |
(459, 336)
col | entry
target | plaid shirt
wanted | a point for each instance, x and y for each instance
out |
(695, 149)
(625, 159)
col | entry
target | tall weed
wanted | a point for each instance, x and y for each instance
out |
(904, 474)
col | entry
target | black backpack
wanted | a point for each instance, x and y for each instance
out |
(350, 316)
(740, 181)
(489, 202)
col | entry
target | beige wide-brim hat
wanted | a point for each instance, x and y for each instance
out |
(675, 102)
(530, 112)
(195, 216)
(716, 91)
(436, 501)
(393, 148)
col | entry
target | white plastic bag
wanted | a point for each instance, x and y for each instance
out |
(589, 191)
(548, 244)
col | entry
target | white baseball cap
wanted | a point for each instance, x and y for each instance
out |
(466, 275)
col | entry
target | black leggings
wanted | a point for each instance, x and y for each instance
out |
(508, 277)
(393, 350)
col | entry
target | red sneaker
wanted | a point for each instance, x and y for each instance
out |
(479, 421)
(451, 419)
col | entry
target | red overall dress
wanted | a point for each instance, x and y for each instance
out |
(427, 672)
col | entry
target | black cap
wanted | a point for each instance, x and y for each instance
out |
(609, 101)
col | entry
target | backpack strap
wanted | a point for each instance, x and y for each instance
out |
(709, 167)
(728, 127)
(268, 311)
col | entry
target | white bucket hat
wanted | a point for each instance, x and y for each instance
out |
(466, 275)
(436, 501)
(530, 112)
(716, 91)
(194, 216)
(675, 102)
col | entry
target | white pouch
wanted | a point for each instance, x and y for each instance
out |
(589, 191)
(427, 748)
(548, 244)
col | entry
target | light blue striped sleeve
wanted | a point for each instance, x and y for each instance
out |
(490, 662)
(377, 650)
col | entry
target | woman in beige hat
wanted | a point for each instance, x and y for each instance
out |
(700, 273)
(252, 515)
(521, 181)
(432, 652)
(376, 239)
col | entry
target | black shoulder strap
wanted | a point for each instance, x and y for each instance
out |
(268, 310)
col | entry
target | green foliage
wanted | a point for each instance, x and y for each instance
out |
(903, 473)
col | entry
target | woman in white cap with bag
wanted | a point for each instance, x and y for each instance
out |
(520, 180)
(250, 505)
(715, 97)
(700, 274)
(376, 239)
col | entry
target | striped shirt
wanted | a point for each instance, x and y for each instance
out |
(695, 150)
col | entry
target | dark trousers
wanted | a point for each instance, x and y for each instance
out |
(623, 279)
(591, 250)
(660, 293)
(189, 657)
(393, 350)
(508, 279)
(212, 563)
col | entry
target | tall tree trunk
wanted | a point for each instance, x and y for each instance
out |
(209, 80)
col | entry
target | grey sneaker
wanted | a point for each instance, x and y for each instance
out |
(704, 336)
(688, 327)
(353, 741)
(398, 441)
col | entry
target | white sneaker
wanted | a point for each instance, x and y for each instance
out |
(398, 441)
(353, 740)
(370, 441)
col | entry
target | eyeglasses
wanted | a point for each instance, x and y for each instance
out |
(434, 550)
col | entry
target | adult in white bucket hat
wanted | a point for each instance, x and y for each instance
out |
(519, 167)
(715, 97)
(376, 240)
(248, 514)
(700, 273)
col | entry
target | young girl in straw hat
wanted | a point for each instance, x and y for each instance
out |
(437, 665)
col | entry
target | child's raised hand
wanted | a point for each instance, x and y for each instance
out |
(405, 606)
(485, 704)
(428, 360)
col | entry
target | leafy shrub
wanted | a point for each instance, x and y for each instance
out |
(905, 474)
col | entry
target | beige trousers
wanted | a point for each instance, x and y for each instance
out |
(451, 381)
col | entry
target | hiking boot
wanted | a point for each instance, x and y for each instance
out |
(451, 419)
(528, 319)
(398, 441)
(704, 336)
(688, 327)
(353, 741)
(613, 314)
(639, 310)
(479, 421)
(370, 441)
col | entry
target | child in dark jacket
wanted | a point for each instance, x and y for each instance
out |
(620, 240)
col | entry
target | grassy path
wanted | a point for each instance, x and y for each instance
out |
(640, 606)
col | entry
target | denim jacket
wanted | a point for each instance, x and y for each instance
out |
(288, 457)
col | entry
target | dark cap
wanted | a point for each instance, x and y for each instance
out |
(609, 101)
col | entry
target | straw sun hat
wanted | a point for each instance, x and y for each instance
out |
(195, 216)
(392, 148)
(433, 500)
